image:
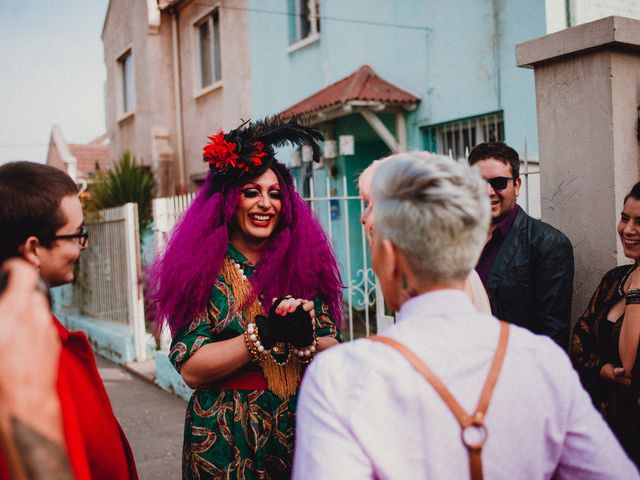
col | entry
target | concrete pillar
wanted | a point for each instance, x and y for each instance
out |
(588, 97)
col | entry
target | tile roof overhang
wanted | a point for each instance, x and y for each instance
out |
(79, 160)
(91, 159)
(361, 89)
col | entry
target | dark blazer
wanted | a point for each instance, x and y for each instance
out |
(531, 281)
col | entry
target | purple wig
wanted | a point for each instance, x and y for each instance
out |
(297, 260)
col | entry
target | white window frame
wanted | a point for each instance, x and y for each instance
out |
(313, 17)
(456, 138)
(126, 84)
(216, 53)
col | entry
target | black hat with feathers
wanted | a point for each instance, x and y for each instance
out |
(248, 151)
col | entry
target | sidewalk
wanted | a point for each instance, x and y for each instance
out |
(152, 419)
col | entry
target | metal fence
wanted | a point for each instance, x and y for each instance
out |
(166, 212)
(364, 303)
(107, 285)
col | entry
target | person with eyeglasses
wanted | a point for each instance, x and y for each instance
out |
(41, 221)
(526, 265)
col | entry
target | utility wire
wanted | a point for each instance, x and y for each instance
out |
(325, 18)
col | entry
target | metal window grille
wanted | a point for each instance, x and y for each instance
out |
(456, 138)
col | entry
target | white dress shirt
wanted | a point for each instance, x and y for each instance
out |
(364, 412)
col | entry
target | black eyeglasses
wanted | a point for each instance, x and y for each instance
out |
(498, 183)
(82, 236)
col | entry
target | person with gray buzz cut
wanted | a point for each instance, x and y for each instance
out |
(446, 392)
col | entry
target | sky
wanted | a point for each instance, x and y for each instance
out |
(51, 72)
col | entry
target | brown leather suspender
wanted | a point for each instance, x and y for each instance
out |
(474, 421)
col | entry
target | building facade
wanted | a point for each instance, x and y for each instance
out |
(456, 58)
(177, 71)
(442, 77)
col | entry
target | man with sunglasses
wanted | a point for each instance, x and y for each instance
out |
(41, 221)
(526, 265)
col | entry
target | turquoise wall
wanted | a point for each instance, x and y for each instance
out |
(458, 57)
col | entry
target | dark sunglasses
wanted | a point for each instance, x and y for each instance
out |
(498, 183)
(83, 236)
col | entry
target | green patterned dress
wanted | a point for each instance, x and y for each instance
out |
(239, 434)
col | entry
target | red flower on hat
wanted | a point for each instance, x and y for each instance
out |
(258, 154)
(220, 153)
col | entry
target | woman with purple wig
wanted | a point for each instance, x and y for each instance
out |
(250, 289)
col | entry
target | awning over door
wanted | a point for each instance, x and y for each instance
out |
(361, 92)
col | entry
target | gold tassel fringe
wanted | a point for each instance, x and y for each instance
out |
(283, 378)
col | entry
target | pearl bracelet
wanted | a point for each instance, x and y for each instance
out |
(252, 339)
(257, 350)
(306, 354)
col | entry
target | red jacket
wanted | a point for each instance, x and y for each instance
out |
(97, 446)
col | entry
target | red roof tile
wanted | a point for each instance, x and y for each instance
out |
(91, 158)
(362, 85)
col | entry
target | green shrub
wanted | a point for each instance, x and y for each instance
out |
(125, 182)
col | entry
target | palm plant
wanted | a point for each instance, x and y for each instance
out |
(126, 182)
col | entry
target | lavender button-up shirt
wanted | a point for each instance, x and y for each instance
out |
(364, 412)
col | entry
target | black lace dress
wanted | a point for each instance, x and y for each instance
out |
(594, 344)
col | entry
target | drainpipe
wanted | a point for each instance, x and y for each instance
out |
(177, 94)
(497, 37)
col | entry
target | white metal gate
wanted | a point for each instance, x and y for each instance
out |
(108, 285)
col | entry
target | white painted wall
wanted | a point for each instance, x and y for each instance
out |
(584, 11)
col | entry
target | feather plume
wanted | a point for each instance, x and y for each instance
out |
(247, 151)
(278, 131)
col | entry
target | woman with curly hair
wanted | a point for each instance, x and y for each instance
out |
(251, 291)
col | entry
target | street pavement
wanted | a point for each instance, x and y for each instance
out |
(152, 419)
